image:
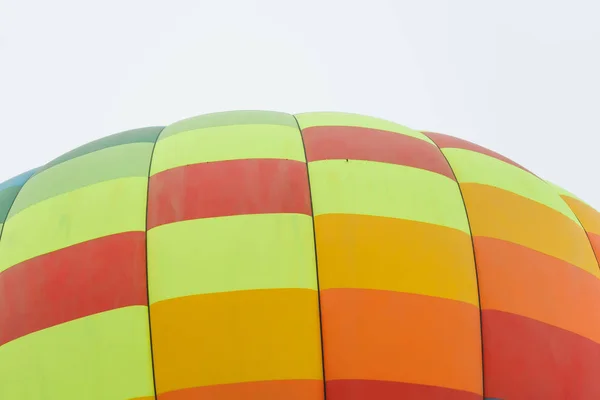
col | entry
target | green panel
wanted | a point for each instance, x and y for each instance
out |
(386, 190)
(228, 143)
(242, 252)
(7, 197)
(230, 118)
(103, 209)
(141, 135)
(121, 161)
(102, 356)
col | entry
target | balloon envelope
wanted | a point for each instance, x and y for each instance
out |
(262, 255)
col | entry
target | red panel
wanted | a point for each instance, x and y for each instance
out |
(263, 390)
(249, 186)
(446, 141)
(525, 359)
(355, 389)
(346, 142)
(84, 279)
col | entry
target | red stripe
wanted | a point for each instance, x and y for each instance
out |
(446, 141)
(84, 279)
(223, 188)
(353, 143)
(386, 390)
(262, 390)
(527, 359)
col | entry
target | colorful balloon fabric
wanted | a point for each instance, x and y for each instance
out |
(260, 255)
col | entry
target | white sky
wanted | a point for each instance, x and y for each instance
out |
(521, 77)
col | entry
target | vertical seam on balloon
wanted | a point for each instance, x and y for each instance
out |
(147, 276)
(14, 201)
(312, 214)
(474, 261)
(580, 224)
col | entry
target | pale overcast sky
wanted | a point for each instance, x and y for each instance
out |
(521, 77)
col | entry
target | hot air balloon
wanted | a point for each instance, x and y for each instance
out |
(262, 255)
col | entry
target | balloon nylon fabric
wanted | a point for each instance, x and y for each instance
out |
(297, 257)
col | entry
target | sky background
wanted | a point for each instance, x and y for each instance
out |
(521, 77)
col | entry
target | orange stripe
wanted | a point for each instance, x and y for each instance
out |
(264, 390)
(232, 337)
(522, 281)
(361, 251)
(504, 215)
(383, 335)
(589, 218)
(595, 241)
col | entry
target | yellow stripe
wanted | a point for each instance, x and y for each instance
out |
(90, 212)
(228, 143)
(504, 215)
(102, 356)
(237, 253)
(243, 336)
(589, 217)
(474, 167)
(309, 120)
(386, 190)
(358, 251)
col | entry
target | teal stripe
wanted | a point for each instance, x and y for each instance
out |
(7, 197)
(18, 180)
(229, 118)
(141, 135)
(9, 191)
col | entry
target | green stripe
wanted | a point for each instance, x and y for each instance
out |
(141, 135)
(242, 252)
(122, 161)
(386, 190)
(7, 197)
(230, 118)
(98, 357)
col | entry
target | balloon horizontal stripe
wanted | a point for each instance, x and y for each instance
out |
(528, 359)
(386, 190)
(95, 276)
(401, 337)
(450, 142)
(208, 190)
(225, 143)
(108, 351)
(242, 252)
(127, 160)
(518, 280)
(229, 118)
(309, 120)
(241, 336)
(141, 135)
(472, 167)
(351, 255)
(355, 143)
(364, 389)
(519, 220)
(88, 213)
(299, 389)
(589, 218)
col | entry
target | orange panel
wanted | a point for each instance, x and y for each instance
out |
(385, 335)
